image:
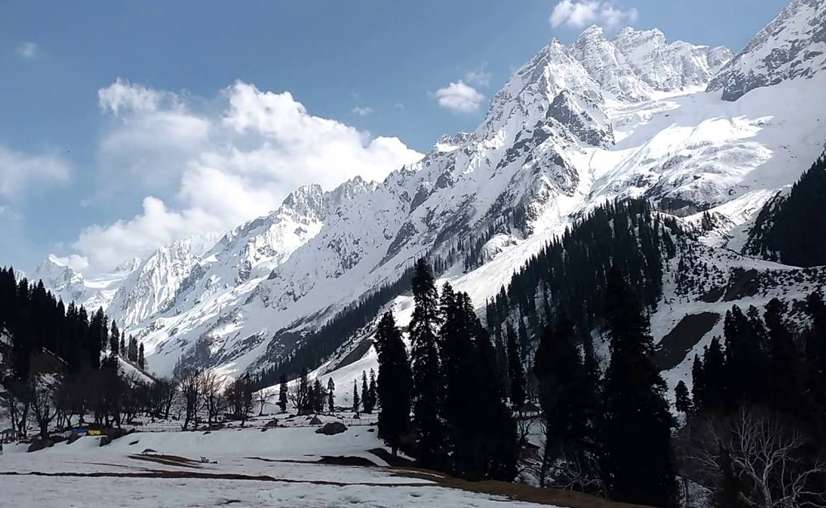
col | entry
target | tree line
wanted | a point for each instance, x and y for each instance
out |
(756, 412)
(792, 229)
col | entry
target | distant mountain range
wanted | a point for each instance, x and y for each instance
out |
(702, 134)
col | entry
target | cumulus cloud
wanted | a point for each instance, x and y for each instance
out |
(459, 97)
(27, 50)
(20, 171)
(578, 14)
(123, 96)
(362, 110)
(207, 169)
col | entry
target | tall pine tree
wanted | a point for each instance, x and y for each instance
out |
(394, 383)
(637, 458)
(428, 386)
(516, 373)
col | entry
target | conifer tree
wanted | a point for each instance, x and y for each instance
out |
(98, 334)
(697, 383)
(282, 393)
(394, 383)
(716, 397)
(785, 374)
(366, 401)
(132, 352)
(637, 459)
(141, 358)
(331, 398)
(356, 398)
(502, 365)
(746, 357)
(122, 351)
(816, 360)
(114, 340)
(481, 430)
(302, 402)
(568, 397)
(318, 396)
(427, 379)
(682, 398)
(524, 343)
(371, 390)
(516, 372)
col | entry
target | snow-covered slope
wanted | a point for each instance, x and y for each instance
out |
(792, 46)
(70, 285)
(574, 127)
(152, 285)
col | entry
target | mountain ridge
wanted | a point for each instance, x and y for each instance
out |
(555, 143)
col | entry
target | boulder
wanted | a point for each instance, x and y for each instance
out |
(331, 428)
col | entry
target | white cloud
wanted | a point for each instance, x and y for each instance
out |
(73, 261)
(207, 170)
(459, 97)
(580, 13)
(27, 50)
(123, 96)
(479, 76)
(20, 171)
(362, 110)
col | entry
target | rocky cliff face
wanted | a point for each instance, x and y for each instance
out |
(792, 46)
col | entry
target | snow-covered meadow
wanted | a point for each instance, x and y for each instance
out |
(281, 466)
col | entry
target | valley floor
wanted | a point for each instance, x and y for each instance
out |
(240, 467)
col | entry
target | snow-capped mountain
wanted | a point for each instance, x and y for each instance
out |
(71, 286)
(792, 46)
(574, 127)
(151, 286)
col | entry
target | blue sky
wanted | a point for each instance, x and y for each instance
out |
(194, 126)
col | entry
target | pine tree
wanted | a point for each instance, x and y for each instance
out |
(698, 383)
(356, 398)
(114, 339)
(516, 372)
(141, 358)
(132, 352)
(785, 371)
(502, 365)
(122, 351)
(98, 334)
(481, 430)
(427, 379)
(682, 398)
(816, 360)
(394, 383)
(282, 393)
(303, 402)
(366, 401)
(524, 342)
(637, 459)
(568, 397)
(716, 397)
(331, 398)
(318, 396)
(746, 357)
(371, 390)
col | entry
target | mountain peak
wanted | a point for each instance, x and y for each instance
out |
(792, 46)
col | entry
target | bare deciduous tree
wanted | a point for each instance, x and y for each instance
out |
(42, 402)
(211, 392)
(262, 397)
(767, 456)
(189, 381)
